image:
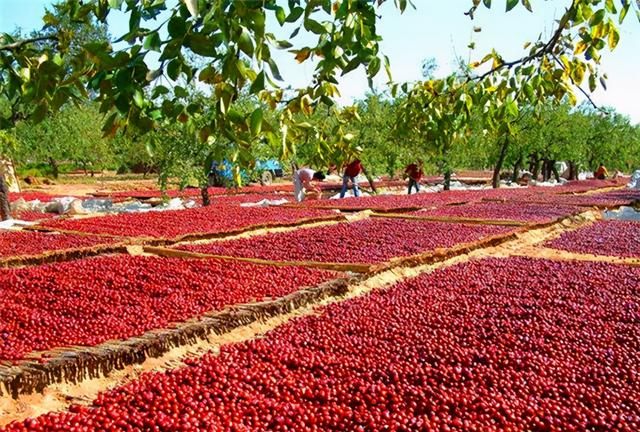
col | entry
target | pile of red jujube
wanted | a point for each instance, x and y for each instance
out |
(367, 241)
(23, 243)
(193, 192)
(391, 202)
(579, 186)
(33, 215)
(609, 237)
(89, 301)
(493, 345)
(521, 212)
(33, 196)
(601, 200)
(174, 223)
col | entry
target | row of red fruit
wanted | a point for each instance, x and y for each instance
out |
(89, 301)
(197, 221)
(492, 345)
(29, 243)
(609, 237)
(373, 240)
(510, 210)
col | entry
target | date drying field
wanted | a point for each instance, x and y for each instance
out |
(464, 311)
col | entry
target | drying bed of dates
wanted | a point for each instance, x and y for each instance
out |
(89, 301)
(491, 345)
(198, 221)
(608, 237)
(395, 202)
(374, 240)
(30, 243)
(492, 210)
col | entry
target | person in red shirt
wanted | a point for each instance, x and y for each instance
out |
(414, 171)
(351, 172)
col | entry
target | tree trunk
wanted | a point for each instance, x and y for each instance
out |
(573, 171)
(447, 178)
(495, 182)
(554, 170)
(204, 192)
(532, 162)
(516, 170)
(5, 209)
(546, 172)
(54, 167)
(536, 169)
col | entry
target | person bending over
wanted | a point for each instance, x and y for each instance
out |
(414, 172)
(351, 172)
(303, 183)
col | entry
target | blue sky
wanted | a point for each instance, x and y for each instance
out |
(437, 29)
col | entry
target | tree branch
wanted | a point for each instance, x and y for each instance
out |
(19, 44)
(583, 91)
(546, 49)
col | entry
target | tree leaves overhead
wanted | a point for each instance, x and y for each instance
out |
(226, 47)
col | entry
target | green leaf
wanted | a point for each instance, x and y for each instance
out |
(245, 43)
(201, 44)
(314, 26)
(207, 74)
(511, 4)
(159, 91)
(487, 3)
(235, 116)
(40, 112)
(256, 122)
(274, 69)
(177, 27)
(282, 44)
(603, 83)
(610, 6)
(295, 14)
(614, 38)
(624, 11)
(152, 42)
(171, 50)
(374, 67)
(180, 92)
(174, 68)
(281, 15)
(597, 18)
(527, 4)
(115, 4)
(138, 98)
(258, 84)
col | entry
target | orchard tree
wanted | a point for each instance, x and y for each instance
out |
(556, 68)
(383, 151)
(438, 112)
(70, 135)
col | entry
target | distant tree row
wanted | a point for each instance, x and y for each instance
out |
(583, 137)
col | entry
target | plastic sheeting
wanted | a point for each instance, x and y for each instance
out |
(623, 213)
(265, 203)
(634, 183)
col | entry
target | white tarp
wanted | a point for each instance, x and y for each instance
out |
(265, 203)
(634, 183)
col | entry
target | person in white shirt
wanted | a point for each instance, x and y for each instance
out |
(302, 183)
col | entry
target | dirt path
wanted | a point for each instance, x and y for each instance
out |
(59, 397)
